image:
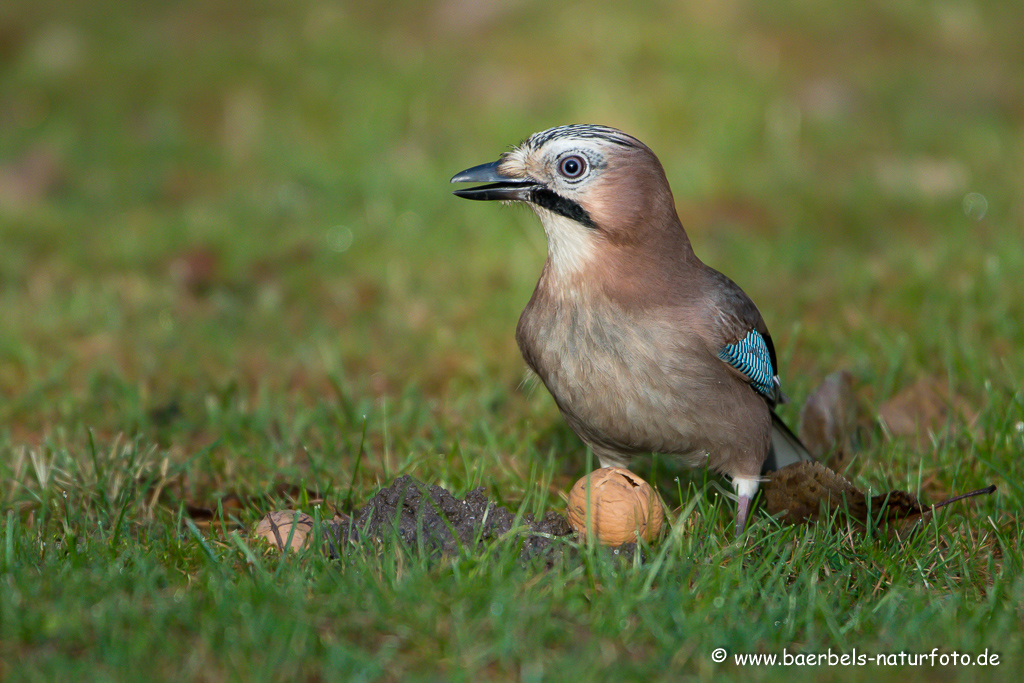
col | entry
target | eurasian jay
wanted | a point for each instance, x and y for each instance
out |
(643, 347)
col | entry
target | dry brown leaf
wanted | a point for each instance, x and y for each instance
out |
(799, 491)
(229, 507)
(810, 492)
(209, 517)
(27, 181)
(195, 270)
(829, 417)
(295, 493)
(924, 409)
(232, 502)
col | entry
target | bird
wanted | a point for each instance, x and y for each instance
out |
(644, 348)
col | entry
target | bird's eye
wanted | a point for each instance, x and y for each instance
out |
(572, 167)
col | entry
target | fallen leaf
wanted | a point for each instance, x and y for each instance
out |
(809, 492)
(195, 270)
(930, 178)
(28, 180)
(205, 515)
(229, 507)
(923, 410)
(828, 419)
(799, 491)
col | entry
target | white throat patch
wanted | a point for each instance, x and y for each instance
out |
(570, 247)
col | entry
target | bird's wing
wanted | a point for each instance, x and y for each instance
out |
(745, 344)
(751, 356)
(786, 448)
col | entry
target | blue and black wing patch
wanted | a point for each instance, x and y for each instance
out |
(752, 357)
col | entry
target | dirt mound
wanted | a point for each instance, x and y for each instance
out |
(431, 518)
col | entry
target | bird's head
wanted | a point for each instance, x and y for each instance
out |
(594, 188)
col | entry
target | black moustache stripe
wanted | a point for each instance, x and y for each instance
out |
(556, 203)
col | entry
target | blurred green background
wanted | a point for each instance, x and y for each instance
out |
(201, 191)
(214, 204)
(250, 202)
(230, 261)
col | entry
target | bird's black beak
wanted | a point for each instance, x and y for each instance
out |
(500, 186)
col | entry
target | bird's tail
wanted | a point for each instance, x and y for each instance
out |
(786, 449)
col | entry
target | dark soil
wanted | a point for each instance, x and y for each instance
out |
(432, 519)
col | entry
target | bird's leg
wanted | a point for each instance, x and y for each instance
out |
(742, 509)
(746, 487)
(610, 458)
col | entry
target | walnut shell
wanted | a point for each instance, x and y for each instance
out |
(622, 506)
(277, 528)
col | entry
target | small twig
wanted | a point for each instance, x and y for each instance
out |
(980, 492)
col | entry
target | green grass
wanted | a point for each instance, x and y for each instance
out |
(242, 254)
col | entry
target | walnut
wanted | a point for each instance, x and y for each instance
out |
(280, 526)
(622, 506)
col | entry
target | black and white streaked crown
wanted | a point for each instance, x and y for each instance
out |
(581, 131)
